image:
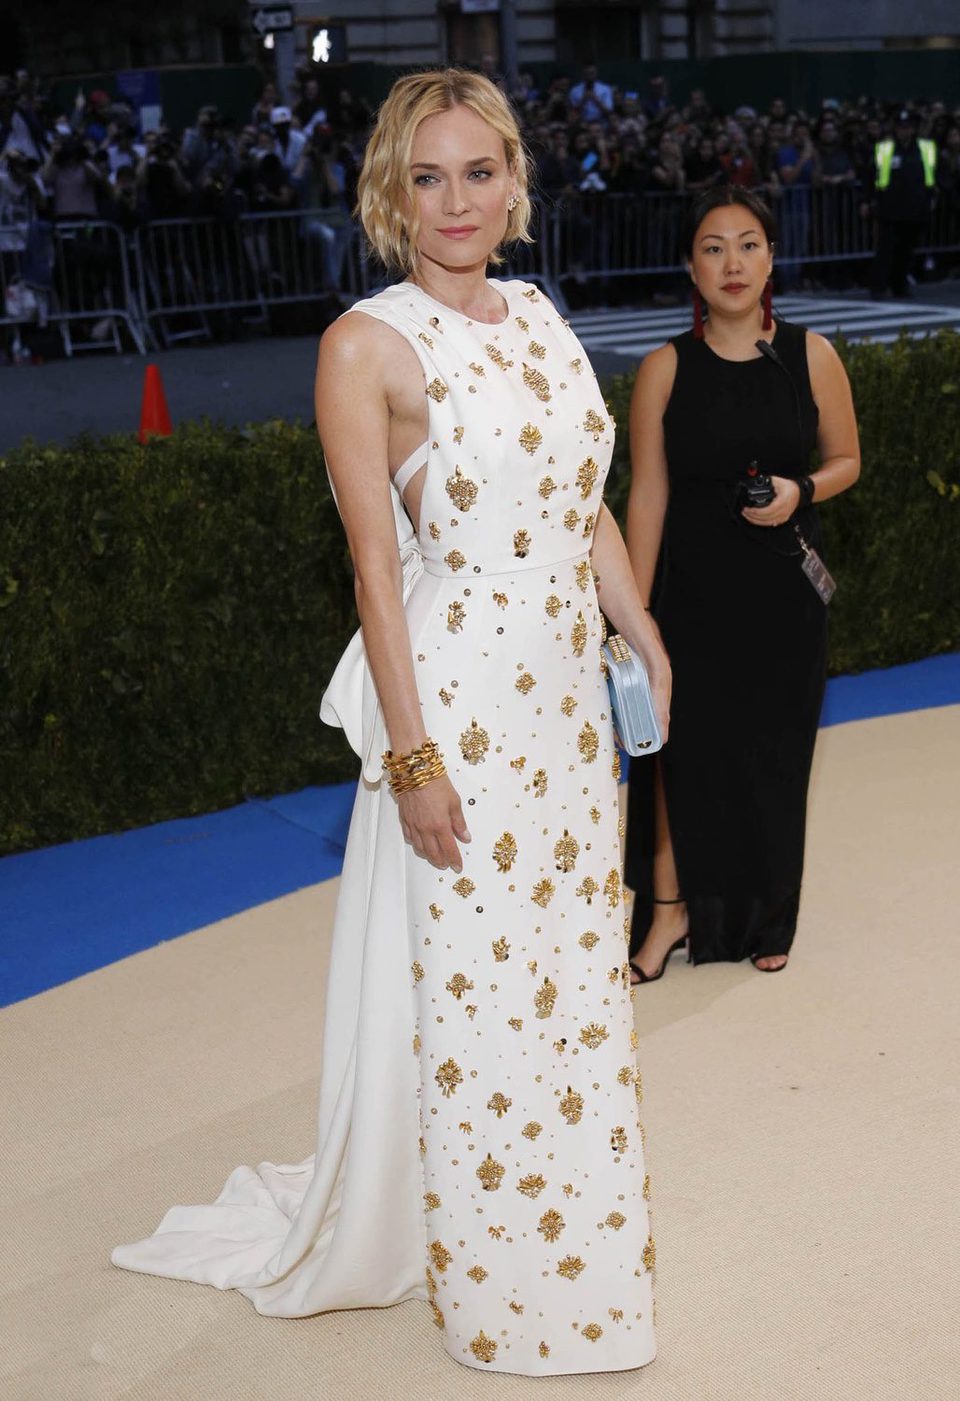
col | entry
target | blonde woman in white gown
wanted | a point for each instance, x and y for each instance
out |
(479, 1142)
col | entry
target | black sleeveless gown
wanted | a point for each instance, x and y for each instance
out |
(746, 634)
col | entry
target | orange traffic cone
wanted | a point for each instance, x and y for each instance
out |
(154, 414)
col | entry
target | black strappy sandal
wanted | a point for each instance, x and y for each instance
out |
(643, 977)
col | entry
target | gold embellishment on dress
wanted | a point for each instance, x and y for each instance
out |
(431, 1201)
(567, 1189)
(571, 1266)
(470, 1010)
(544, 999)
(578, 636)
(638, 1086)
(553, 605)
(519, 763)
(625, 1075)
(417, 971)
(547, 487)
(532, 1130)
(540, 783)
(495, 1232)
(478, 1274)
(436, 912)
(618, 1139)
(572, 1106)
(587, 474)
(582, 571)
(440, 1255)
(497, 357)
(551, 1224)
(435, 323)
(465, 1126)
(515, 1307)
(615, 766)
(571, 518)
(478, 370)
(593, 1035)
(521, 543)
(593, 1331)
(530, 294)
(611, 888)
(537, 381)
(483, 1348)
(589, 940)
(474, 743)
(422, 336)
(505, 851)
(459, 984)
(634, 1039)
(422, 1145)
(525, 683)
(646, 1188)
(500, 599)
(595, 817)
(593, 423)
(464, 886)
(461, 490)
(565, 852)
(588, 742)
(615, 1220)
(490, 1173)
(516, 1023)
(543, 893)
(530, 438)
(649, 1254)
(588, 888)
(588, 523)
(621, 827)
(448, 1077)
(532, 1185)
(416, 1045)
(458, 435)
(437, 1315)
(499, 1103)
(454, 560)
(437, 390)
(544, 1350)
(568, 705)
(576, 366)
(434, 530)
(456, 616)
(537, 350)
(524, 325)
(616, 1315)
(501, 949)
(445, 696)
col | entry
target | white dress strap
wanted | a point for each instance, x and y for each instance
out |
(416, 460)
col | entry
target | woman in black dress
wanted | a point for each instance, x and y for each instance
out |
(716, 825)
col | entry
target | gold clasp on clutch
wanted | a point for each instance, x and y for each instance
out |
(619, 650)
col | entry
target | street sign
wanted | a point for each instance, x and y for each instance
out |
(271, 19)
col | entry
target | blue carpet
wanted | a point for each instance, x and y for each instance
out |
(68, 910)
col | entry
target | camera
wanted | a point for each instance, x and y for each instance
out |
(755, 488)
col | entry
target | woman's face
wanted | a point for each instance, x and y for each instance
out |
(731, 259)
(461, 184)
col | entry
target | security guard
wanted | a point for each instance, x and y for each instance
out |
(905, 178)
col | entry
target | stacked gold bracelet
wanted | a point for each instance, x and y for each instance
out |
(414, 769)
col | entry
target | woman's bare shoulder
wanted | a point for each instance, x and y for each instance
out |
(656, 371)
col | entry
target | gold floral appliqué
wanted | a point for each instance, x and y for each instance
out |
(461, 490)
(505, 851)
(474, 743)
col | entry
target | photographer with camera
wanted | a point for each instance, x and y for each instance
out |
(723, 423)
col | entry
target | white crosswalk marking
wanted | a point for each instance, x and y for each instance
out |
(634, 333)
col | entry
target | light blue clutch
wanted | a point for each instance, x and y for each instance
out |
(630, 699)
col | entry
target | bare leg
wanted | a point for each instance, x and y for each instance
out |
(670, 921)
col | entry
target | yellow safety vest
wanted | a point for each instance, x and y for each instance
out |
(883, 154)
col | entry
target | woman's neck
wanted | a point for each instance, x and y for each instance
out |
(736, 337)
(465, 290)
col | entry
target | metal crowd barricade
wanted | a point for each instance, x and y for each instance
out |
(190, 269)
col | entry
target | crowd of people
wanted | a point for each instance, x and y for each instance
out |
(587, 138)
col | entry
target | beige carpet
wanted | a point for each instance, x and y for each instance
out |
(802, 1141)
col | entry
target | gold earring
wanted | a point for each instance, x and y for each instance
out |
(512, 202)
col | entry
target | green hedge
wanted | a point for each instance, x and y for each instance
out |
(169, 615)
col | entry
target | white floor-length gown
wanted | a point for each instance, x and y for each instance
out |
(479, 1144)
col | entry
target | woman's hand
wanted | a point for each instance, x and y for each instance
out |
(781, 508)
(432, 821)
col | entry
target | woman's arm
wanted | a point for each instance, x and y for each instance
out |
(620, 600)
(647, 501)
(358, 364)
(837, 439)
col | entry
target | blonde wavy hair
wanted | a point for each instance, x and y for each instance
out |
(385, 191)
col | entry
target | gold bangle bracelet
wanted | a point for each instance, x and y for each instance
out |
(415, 768)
